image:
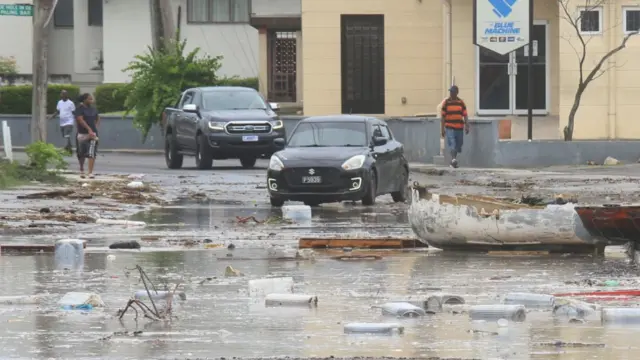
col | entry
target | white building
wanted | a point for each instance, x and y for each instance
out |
(93, 40)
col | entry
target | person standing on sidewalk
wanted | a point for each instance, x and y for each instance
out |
(454, 124)
(65, 109)
(87, 139)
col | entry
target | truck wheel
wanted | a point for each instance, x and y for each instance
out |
(248, 162)
(204, 157)
(276, 202)
(369, 198)
(171, 155)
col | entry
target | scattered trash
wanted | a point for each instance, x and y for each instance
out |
(611, 283)
(573, 309)
(297, 213)
(611, 161)
(571, 344)
(111, 257)
(357, 257)
(152, 313)
(23, 299)
(230, 271)
(158, 295)
(135, 176)
(534, 301)
(244, 220)
(402, 309)
(281, 252)
(262, 287)
(230, 247)
(291, 300)
(621, 315)
(125, 245)
(47, 194)
(516, 313)
(135, 185)
(617, 293)
(373, 328)
(127, 223)
(76, 299)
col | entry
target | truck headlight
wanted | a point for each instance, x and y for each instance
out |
(353, 163)
(275, 164)
(216, 125)
(276, 124)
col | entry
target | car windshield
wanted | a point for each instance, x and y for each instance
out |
(323, 134)
(232, 100)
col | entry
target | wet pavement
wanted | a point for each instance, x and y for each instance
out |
(219, 319)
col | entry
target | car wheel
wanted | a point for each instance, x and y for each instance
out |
(204, 157)
(311, 203)
(276, 202)
(248, 162)
(171, 155)
(403, 193)
(370, 197)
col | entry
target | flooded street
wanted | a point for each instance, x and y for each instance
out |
(220, 317)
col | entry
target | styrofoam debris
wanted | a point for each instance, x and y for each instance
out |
(135, 185)
(81, 298)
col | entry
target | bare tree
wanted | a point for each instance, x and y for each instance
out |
(573, 15)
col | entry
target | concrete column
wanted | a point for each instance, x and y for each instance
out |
(263, 59)
(299, 64)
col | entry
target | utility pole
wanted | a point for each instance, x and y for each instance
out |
(162, 23)
(42, 13)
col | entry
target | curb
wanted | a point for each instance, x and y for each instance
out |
(110, 151)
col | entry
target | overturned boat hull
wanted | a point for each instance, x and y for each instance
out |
(455, 224)
(611, 223)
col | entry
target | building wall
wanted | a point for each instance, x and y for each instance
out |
(127, 32)
(16, 36)
(611, 101)
(413, 53)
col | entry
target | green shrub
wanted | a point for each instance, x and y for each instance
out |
(44, 155)
(16, 100)
(111, 97)
(237, 81)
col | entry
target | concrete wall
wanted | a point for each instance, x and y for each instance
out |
(413, 54)
(275, 8)
(16, 37)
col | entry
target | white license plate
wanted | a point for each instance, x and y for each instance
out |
(251, 138)
(311, 179)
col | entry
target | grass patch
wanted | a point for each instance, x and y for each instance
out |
(14, 174)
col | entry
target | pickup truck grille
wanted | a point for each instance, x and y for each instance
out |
(248, 128)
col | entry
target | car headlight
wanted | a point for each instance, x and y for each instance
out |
(355, 162)
(276, 124)
(275, 164)
(216, 125)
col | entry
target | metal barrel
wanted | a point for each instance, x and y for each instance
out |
(530, 300)
(403, 309)
(515, 313)
(621, 315)
(290, 300)
(373, 328)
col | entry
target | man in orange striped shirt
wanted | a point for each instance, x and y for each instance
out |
(454, 121)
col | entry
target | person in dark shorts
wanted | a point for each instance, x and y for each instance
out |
(88, 121)
(65, 109)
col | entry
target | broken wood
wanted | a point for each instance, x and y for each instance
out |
(47, 194)
(388, 243)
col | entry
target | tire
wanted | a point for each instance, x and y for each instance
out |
(171, 155)
(248, 162)
(311, 203)
(276, 202)
(204, 157)
(369, 198)
(403, 193)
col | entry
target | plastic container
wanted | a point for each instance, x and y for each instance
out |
(262, 287)
(516, 313)
(291, 300)
(621, 315)
(80, 298)
(373, 328)
(69, 253)
(297, 213)
(529, 300)
(160, 295)
(402, 309)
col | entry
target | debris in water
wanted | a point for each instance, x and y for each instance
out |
(77, 299)
(373, 328)
(611, 161)
(291, 300)
(152, 313)
(125, 245)
(571, 344)
(357, 257)
(230, 271)
(402, 309)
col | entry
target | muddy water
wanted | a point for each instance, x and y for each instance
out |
(219, 319)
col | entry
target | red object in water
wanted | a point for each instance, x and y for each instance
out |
(616, 293)
(613, 223)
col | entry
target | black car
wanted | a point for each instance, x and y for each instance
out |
(338, 158)
(221, 122)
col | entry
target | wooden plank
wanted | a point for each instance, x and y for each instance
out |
(29, 248)
(323, 243)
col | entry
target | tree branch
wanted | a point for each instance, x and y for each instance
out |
(594, 73)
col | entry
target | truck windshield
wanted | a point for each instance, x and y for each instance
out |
(324, 134)
(232, 100)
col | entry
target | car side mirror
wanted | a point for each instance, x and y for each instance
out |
(191, 108)
(379, 141)
(274, 106)
(279, 142)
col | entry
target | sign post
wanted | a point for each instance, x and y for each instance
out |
(503, 26)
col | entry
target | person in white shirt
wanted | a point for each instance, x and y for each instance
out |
(65, 109)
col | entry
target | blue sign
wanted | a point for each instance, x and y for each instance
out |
(501, 25)
(502, 8)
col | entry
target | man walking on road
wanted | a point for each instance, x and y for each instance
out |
(65, 109)
(454, 121)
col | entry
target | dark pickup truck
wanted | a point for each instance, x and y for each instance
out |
(221, 123)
